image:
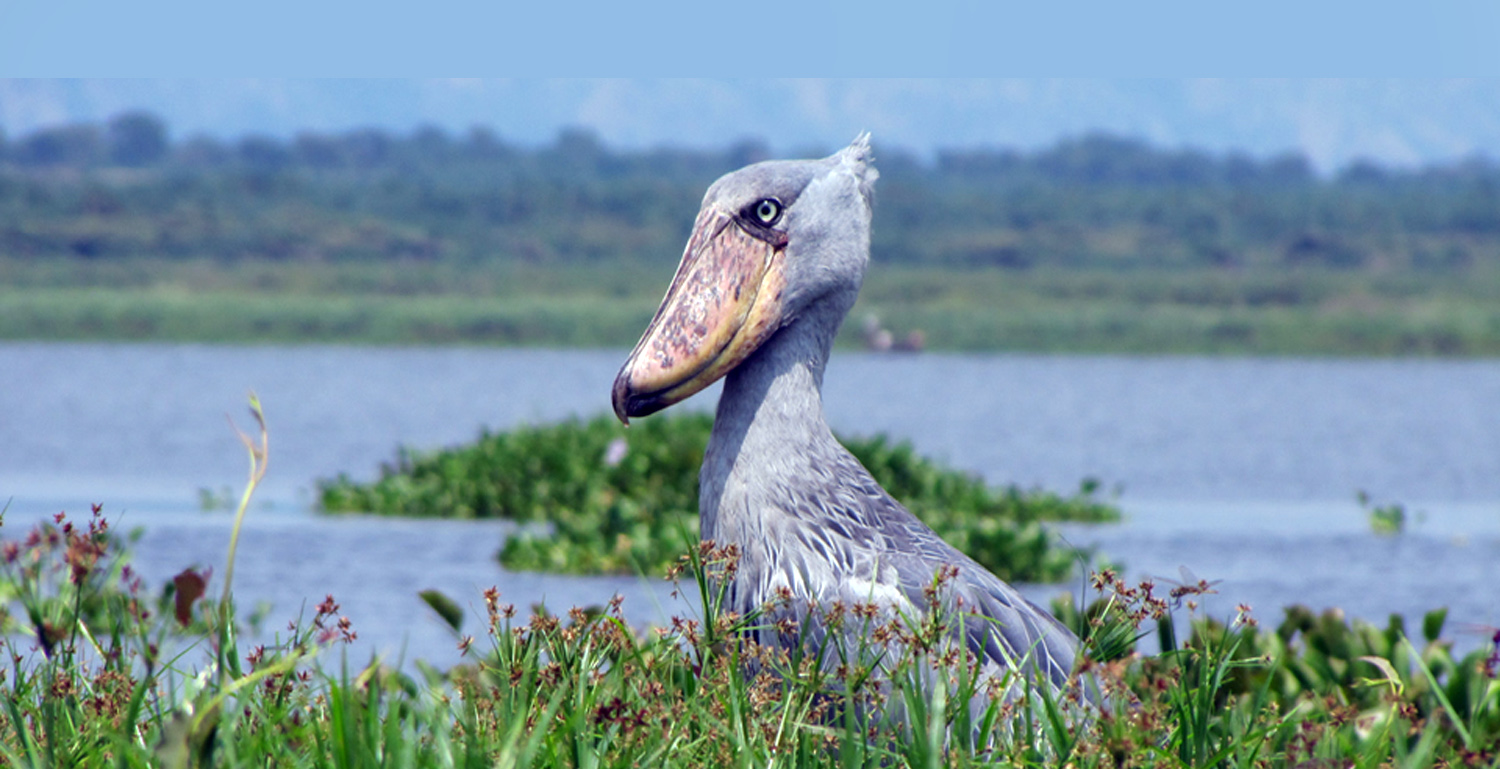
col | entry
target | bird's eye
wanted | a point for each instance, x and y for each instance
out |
(768, 211)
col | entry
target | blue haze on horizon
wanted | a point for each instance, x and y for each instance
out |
(1334, 122)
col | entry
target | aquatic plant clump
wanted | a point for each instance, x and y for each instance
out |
(127, 683)
(623, 501)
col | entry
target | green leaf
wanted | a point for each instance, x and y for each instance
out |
(1432, 624)
(447, 608)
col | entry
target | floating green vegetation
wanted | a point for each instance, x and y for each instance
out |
(1388, 519)
(627, 500)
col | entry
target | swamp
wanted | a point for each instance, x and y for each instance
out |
(1231, 420)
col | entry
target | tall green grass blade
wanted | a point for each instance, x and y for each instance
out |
(1454, 717)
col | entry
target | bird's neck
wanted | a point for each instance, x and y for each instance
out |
(769, 431)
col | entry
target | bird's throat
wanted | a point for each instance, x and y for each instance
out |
(769, 429)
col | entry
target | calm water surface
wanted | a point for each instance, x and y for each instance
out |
(1242, 470)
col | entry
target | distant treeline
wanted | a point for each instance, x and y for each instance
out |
(126, 189)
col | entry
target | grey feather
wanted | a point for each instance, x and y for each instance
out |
(805, 515)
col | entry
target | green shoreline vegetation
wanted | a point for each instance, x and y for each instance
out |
(1097, 244)
(955, 309)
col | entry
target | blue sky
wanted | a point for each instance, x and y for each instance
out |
(1393, 81)
(838, 38)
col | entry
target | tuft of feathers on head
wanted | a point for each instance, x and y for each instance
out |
(859, 160)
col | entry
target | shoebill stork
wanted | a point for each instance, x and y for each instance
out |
(774, 263)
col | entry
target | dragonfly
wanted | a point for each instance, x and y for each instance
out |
(1191, 584)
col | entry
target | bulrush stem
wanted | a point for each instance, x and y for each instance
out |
(259, 454)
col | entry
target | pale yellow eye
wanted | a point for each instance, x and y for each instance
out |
(768, 211)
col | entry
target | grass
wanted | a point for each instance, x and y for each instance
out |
(624, 501)
(111, 315)
(106, 671)
(1191, 310)
(585, 689)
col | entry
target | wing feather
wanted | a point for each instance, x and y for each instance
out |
(870, 548)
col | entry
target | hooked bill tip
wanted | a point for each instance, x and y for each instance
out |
(630, 402)
(620, 394)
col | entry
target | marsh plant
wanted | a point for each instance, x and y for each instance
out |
(104, 670)
(586, 688)
(625, 501)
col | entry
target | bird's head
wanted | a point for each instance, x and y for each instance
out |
(772, 242)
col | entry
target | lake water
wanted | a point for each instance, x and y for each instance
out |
(1240, 470)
